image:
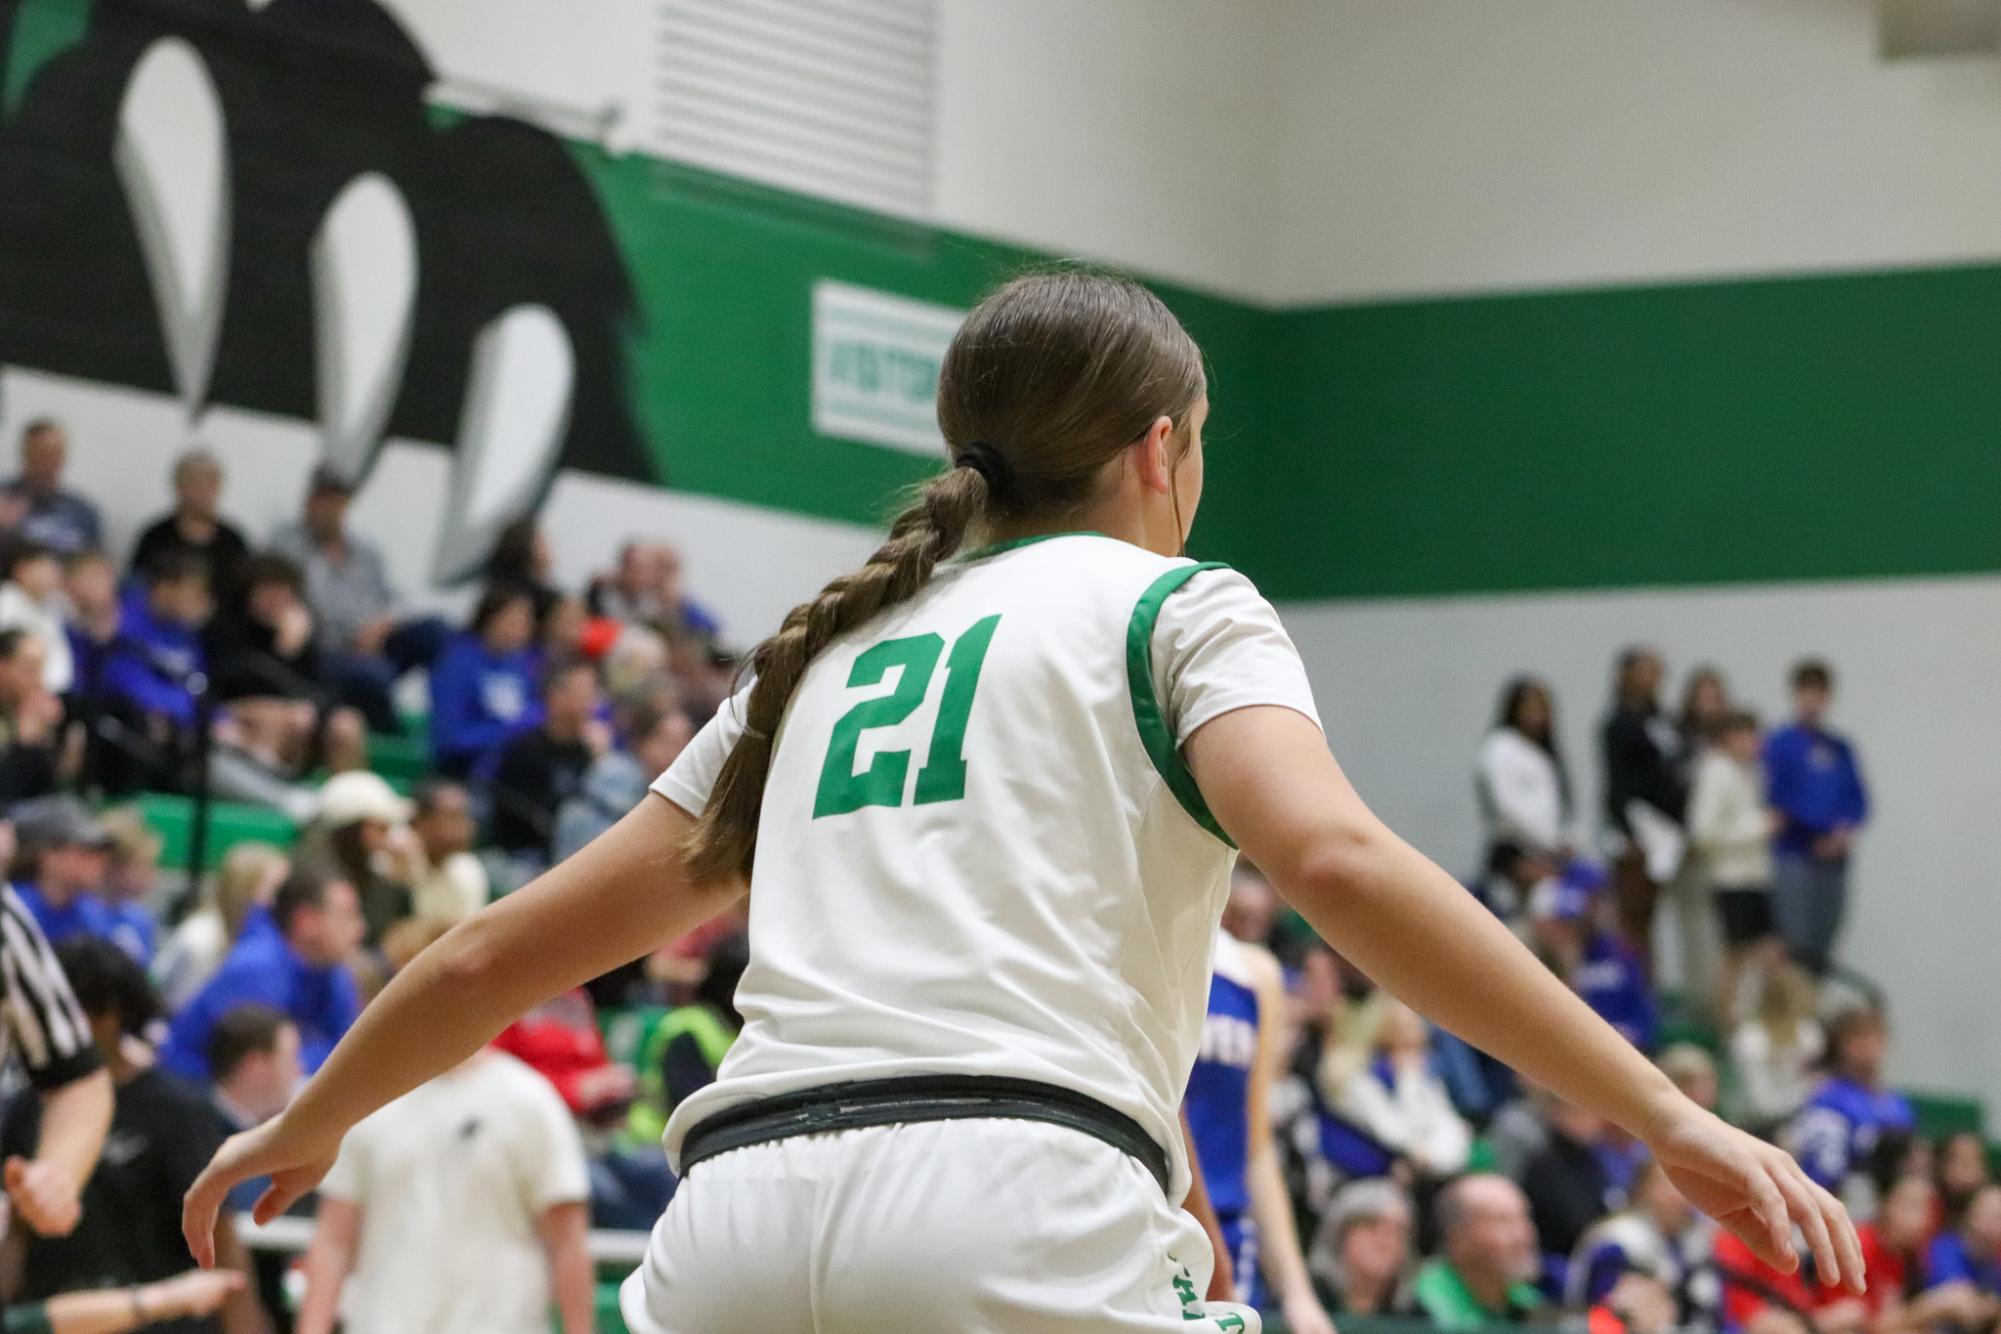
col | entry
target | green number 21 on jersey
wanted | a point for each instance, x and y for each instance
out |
(943, 777)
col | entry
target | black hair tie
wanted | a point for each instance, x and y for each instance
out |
(985, 458)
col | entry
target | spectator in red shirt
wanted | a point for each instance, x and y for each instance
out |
(1893, 1254)
(629, 1187)
(561, 1041)
(1758, 1299)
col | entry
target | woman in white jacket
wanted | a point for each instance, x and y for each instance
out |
(1730, 830)
(1523, 787)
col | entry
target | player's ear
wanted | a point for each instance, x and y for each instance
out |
(1154, 453)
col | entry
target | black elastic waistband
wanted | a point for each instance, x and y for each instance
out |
(914, 1098)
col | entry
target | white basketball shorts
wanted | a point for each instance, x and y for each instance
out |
(942, 1227)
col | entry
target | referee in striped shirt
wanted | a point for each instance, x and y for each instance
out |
(39, 1018)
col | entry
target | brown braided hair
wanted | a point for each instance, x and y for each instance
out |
(1048, 380)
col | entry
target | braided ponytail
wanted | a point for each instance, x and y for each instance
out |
(1044, 384)
(931, 529)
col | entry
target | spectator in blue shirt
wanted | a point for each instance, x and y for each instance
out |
(484, 685)
(90, 585)
(34, 505)
(1815, 784)
(131, 879)
(1599, 965)
(60, 869)
(148, 669)
(1852, 1129)
(1971, 1252)
(296, 962)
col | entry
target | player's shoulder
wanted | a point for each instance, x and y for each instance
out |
(1087, 558)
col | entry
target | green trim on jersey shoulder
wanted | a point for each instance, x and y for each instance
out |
(996, 548)
(1154, 733)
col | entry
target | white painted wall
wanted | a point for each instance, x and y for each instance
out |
(1441, 146)
(1133, 131)
(1137, 131)
(572, 57)
(1407, 689)
(1315, 150)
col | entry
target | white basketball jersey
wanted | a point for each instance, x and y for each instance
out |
(980, 851)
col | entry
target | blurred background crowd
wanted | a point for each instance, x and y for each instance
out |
(1426, 1180)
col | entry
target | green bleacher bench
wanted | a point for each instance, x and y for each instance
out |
(609, 1320)
(229, 823)
(402, 760)
(1946, 1113)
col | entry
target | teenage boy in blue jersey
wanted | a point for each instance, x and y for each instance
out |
(1815, 783)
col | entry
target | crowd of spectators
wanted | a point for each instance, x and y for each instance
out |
(1426, 1179)
(1433, 1183)
(273, 667)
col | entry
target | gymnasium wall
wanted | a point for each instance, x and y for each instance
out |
(1434, 146)
(1617, 322)
(1535, 329)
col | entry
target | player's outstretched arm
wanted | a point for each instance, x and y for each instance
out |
(623, 896)
(1268, 777)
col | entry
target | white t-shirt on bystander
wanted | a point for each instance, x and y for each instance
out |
(452, 1179)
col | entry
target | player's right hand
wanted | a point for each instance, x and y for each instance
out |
(294, 1166)
(45, 1196)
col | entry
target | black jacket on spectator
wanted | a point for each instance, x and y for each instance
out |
(25, 771)
(164, 1132)
(245, 662)
(535, 773)
(1569, 1190)
(223, 553)
(1641, 763)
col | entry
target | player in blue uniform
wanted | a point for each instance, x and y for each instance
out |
(1227, 1107)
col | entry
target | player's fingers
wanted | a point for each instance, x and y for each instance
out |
(61, 1218)
(1853, 1267)
(1750, 1227)
(276, 1199)
(1763, 1223)
(16, 1172)
(1805, 1210)
(198, 1211)
(1768, 1209)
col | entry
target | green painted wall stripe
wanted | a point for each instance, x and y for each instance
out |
(43, 30)
(1800, 428)
(1805, 428)
(722, 354)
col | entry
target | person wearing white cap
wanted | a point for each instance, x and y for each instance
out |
(361, 828)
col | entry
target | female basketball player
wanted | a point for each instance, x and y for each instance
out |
(1242, 1057)
(989, 801)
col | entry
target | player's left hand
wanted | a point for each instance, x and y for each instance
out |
(45, 1196)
